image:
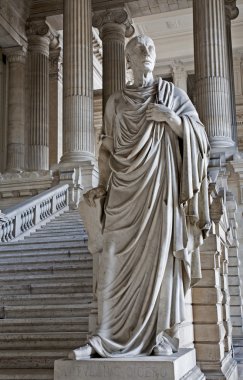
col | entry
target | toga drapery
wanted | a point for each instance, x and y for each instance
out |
(156, 215)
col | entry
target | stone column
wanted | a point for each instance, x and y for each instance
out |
(231, 12)
(16, 109)
(179, 75)
(56, 98)
(78, 83)
(39, 35)
(212, 72)
(114, 25)
(3, 95)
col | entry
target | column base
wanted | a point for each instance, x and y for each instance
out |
(72, 158)
(220, 370)
(221, 142)
(88, 172)
(179, 366)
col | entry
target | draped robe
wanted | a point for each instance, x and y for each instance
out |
(156, 215)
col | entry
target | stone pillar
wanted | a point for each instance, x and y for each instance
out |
(56, 98)
(212, 72)
(114, 25)
(39, 35)
(179, 75)
(16, 109)
(78, 83)
(231, 12)
(3, 95)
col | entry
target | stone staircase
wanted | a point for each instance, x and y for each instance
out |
(45, 295)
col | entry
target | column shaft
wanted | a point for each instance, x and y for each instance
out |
(56, 92)
(16, 109)
(114, 25)
(212, 73)
(39, 41)
(231, 12)
(78, 82)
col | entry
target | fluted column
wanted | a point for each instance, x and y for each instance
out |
(39, 35)
(231, 12)
(16, 109)
(56, 98)
(212, 72)
(78, 82)
(179, 75)
(114, 25)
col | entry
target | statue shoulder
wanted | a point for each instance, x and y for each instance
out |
(180, 93)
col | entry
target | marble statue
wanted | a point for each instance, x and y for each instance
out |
(153, 173)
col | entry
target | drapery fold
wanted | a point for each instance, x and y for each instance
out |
(156, 215)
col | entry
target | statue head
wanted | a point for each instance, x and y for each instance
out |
(140, 54)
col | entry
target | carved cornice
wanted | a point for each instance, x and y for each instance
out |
(117, 16)
(231, 9)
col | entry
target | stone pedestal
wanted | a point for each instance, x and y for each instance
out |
(181, 365)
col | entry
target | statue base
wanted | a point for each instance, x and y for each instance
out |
(179, 366)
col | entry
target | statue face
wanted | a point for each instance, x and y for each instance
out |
(140, 54)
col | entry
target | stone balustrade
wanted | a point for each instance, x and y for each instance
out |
(23, 219)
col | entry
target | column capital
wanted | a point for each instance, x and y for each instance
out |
(16, 54)
(118, 16)
(40, 36)
(231, 9)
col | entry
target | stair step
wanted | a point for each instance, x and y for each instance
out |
(80, 286)
(38, 325)
(59, 232)
(38, 268)
(24, 245)
(48, 299)
(42, 340)
(56, 276)
(11, 254)
(25, 374)
(55, 239)
(45, 311)
(42, 359)
(54, 259)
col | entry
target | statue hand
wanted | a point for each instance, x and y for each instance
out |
(95, 193)
(160, 113)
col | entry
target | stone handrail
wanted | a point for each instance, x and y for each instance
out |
(25, 217)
